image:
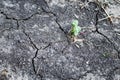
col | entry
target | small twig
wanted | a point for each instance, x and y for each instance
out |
(102, 19)
(79, 40)
(109, 17)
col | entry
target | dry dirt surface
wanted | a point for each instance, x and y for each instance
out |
(34, 42)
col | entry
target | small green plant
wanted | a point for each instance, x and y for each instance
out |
(74, 32)
(75, 29)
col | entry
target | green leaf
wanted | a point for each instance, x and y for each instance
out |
(75, 28)
(75, 23)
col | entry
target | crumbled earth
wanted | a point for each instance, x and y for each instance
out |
(34, 42)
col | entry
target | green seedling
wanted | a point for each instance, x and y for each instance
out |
(75, 30)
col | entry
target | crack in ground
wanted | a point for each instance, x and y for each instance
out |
(110, 42)
(34, 45)
(6, 17)
(24, 19)
(17, 20)
(111, 73)
(36, 53)
(37, 49)
(96, 23)
(65, 33)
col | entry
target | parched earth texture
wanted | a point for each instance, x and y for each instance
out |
(34, 42)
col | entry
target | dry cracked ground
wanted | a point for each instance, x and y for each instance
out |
(34, 44)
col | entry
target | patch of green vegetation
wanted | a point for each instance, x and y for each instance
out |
(106, 55)
(75, 29)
